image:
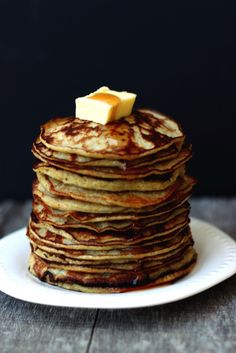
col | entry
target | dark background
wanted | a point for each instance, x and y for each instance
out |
(179, 57)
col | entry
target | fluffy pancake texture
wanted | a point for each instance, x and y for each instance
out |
(110, 204)
(132, 137)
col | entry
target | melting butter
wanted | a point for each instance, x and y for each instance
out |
(104, 105)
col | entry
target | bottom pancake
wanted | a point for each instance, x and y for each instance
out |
(109, 282)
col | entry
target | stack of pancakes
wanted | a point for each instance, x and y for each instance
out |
(110, 210)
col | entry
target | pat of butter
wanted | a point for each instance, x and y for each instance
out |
(104, 105)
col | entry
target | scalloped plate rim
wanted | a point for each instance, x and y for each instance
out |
(216, 263)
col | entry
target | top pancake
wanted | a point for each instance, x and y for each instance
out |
(142, 133)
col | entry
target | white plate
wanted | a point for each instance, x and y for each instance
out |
(216, 262)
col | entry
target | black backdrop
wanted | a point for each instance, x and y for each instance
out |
(179, 57)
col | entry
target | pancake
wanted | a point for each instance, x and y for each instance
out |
(112, 265)
(124, 264)
(136, 199)
(99, 223)
(74, 219)
(72, 284)
(112, 283)
(146, 184)
(143, 133)
(133, 199)
(139, 221)
(159, 168)
(86, 238)
(47, 155)
(129, 253)
(110, 204)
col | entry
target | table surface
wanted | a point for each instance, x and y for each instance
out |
(203, 323)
